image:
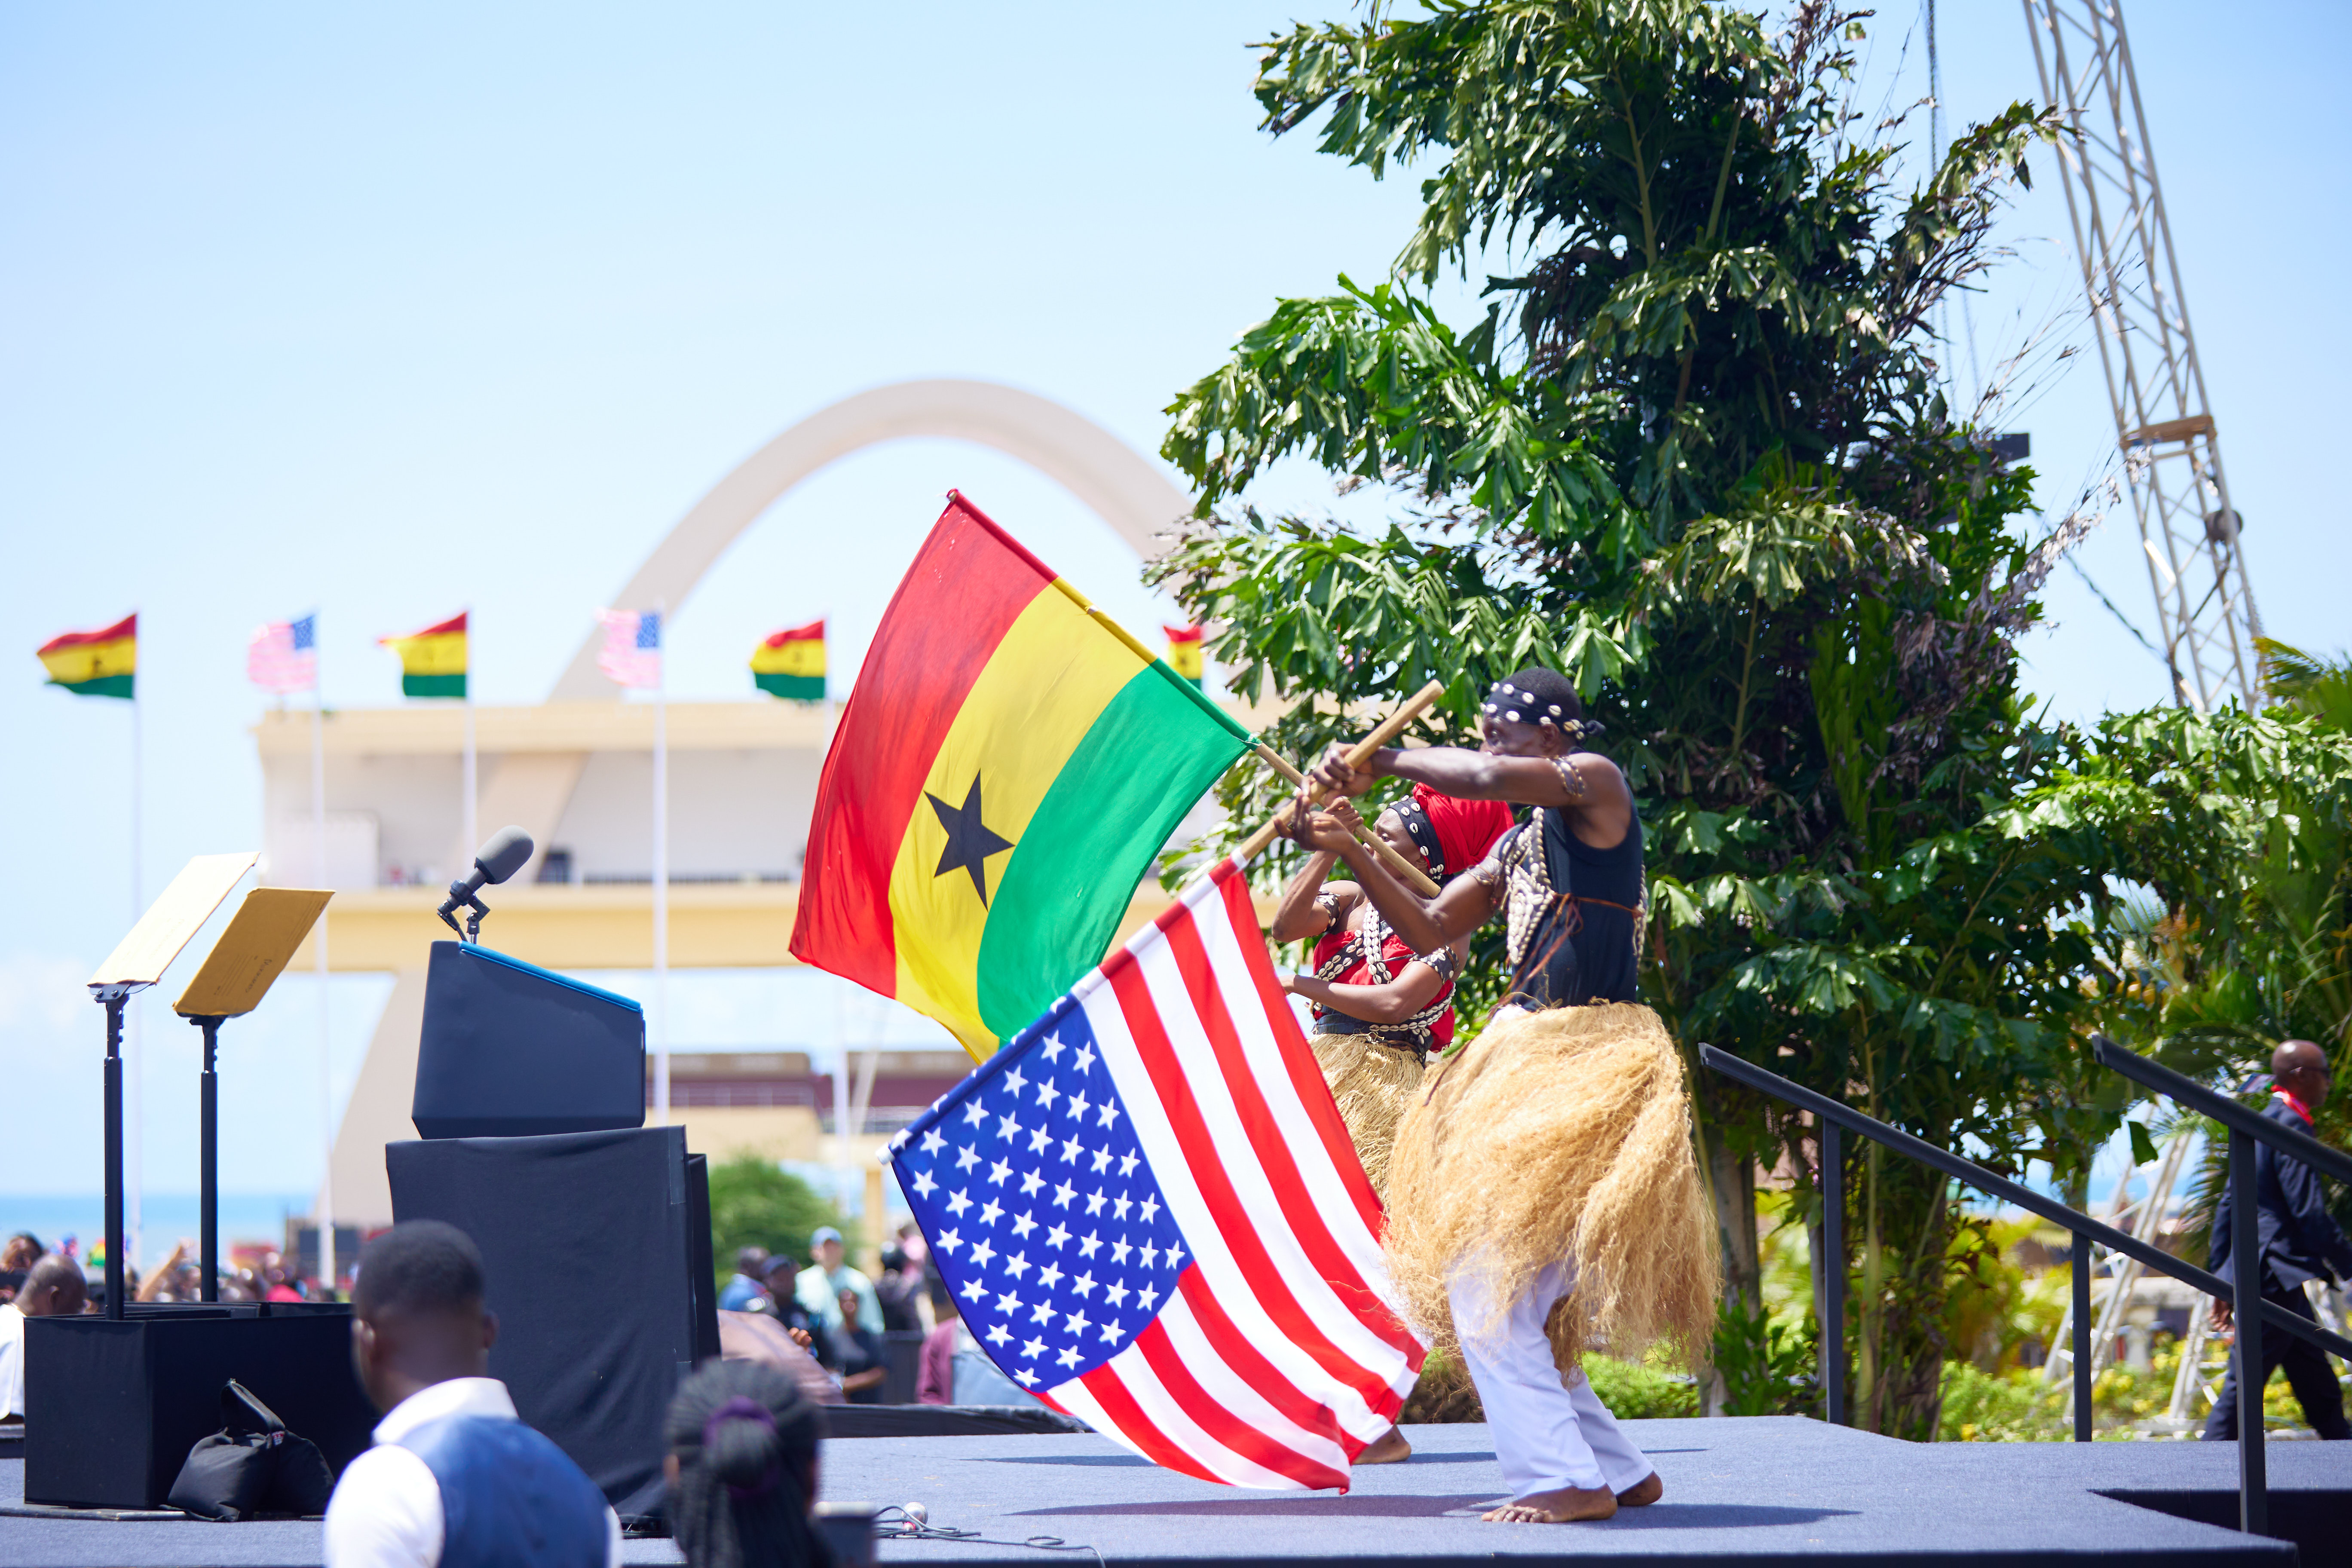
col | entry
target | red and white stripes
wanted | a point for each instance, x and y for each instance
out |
(1282, 1355)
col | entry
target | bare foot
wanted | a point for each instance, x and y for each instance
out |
(1389, 1449)
(1569, 1505)
(1644, 1492)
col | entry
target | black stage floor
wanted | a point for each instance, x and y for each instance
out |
(1769, 1493)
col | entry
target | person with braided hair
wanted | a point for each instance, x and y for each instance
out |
(743, 1468)
(1542, 1193)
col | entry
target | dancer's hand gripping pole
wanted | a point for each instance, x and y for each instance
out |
(1315, 794)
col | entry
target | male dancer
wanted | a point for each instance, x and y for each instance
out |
(1542, 1189)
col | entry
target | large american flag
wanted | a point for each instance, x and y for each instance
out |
(632, 651)
(283, 656)
(1152, 1219)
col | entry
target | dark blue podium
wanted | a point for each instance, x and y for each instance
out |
(512, 1050)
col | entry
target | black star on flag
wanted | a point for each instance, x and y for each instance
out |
(970, 843)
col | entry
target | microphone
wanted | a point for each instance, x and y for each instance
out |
(505, 853)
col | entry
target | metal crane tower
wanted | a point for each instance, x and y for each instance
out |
(2163, 419)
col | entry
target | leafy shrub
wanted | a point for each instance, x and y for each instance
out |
(756, 1202)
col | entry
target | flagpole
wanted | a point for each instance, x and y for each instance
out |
(661, 865)
(136, 1060)
(326, 1216)
(472, 841)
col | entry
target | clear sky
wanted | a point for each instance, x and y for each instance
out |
(393, 314)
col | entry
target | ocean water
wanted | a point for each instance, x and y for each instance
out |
(165, 1218)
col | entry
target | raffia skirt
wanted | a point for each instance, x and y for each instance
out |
(1560, 1137)
(1373, 1085)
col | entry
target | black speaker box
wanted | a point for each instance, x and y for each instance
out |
(510, 1050)
(597, 1252)
(111, 1408)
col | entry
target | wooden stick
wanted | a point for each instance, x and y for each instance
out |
(1254, 844)
(1412, 875)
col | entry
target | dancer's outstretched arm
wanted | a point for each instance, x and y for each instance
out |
(1426, 925)
(1586, 785)
(1416, 987)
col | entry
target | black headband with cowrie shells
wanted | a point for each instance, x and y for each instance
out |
(1521, 705)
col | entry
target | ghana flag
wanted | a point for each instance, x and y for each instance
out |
(431, 661)
(1184, 651)
(1007, 766)
(95, 664)
(791, 663)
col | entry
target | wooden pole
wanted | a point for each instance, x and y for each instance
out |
(1412, 875)
(1254, 844)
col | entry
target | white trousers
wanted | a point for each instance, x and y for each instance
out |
(1549, 1434)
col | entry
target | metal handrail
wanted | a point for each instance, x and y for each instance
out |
(2151, 1074)
(1834, 1115)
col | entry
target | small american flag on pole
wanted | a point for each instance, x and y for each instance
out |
(283, 656)
(1152, 1219)
(632, 655)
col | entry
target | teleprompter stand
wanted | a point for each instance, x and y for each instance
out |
(243, 963)
(114, 1402)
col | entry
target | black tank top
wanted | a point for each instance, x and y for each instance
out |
(1573, 918)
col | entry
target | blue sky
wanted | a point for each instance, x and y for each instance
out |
(387, 315)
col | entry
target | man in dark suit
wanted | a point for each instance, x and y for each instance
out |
(2299, 1242)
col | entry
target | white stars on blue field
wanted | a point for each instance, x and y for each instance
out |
(1041, 1211)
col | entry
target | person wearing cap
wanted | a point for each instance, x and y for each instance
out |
(1554, 1150)
(822, 1284)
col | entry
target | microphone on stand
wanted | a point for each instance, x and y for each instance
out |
(505, 853)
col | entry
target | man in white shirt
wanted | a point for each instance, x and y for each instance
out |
(455, 1480)
(53, 1287)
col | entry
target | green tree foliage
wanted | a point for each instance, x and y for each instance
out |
(1694, 455)
(757, 1203)
(2240, 827)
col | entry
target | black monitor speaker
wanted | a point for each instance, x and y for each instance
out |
(596, 1252)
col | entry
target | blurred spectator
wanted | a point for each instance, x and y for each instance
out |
(822, 1284)
(934, 1370)
(23, 1250)
(53, 1287)
(856, 1354)
(750, 1264)
(278, 1283)
(757, 1336)
(454, 1477)
(783, 1299)
(743, 1469)
(166, 1283)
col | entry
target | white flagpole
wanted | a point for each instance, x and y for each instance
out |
(472, 840)
(134, 1059)
(326, 1216)
(661, 868)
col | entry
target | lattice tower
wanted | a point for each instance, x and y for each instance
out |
(2187, 528)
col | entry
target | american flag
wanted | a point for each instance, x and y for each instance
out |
(284, 656)
(1152, 1219)
(632, 655)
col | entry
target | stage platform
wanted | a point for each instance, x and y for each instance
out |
(1770, 1493)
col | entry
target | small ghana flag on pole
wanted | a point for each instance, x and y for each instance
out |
(1006, 768)
(431, 661)
(95, 664)
(1184, 651)
(791, 663)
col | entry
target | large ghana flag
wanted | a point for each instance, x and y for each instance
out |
(95, 664)
(1006, 768)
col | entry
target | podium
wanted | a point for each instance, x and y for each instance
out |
(114, 1403)
(510, 1050)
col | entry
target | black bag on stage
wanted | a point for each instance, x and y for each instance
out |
(253, 1466)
